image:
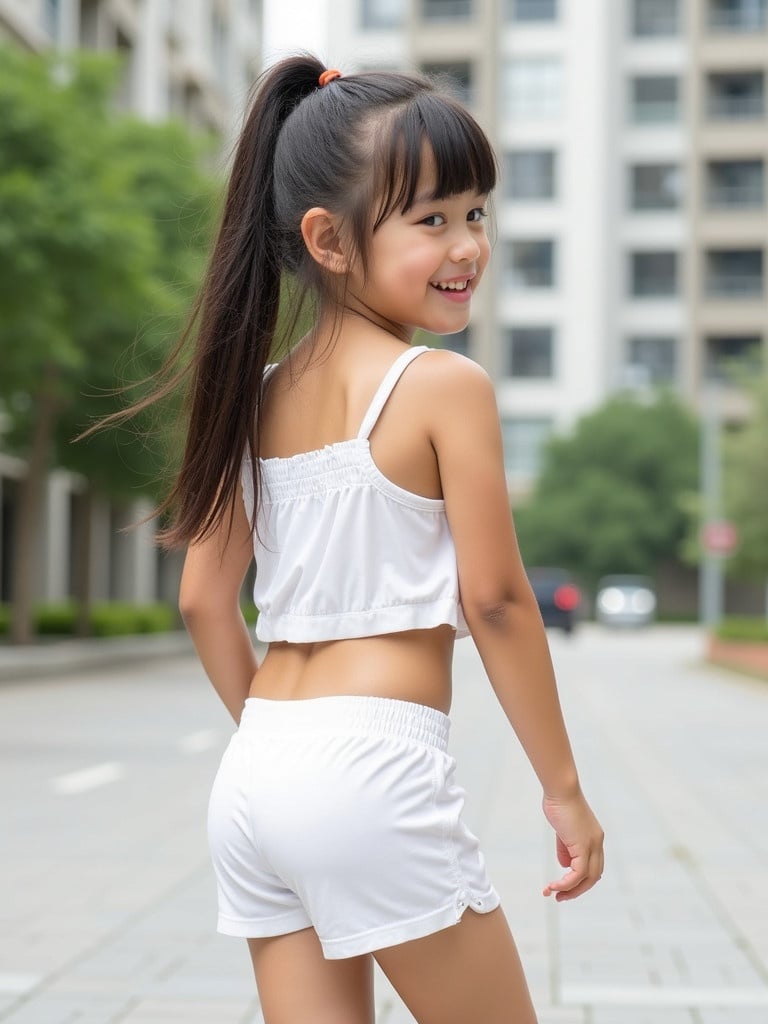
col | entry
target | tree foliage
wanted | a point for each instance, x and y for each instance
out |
(103, 222)
(745, 457)
(608, 499)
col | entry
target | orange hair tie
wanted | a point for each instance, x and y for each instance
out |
(328, 76)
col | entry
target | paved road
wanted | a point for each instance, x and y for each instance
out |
(107, 900)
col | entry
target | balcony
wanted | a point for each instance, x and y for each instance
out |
(734, 274)
(737, 16)
(446, 10)
(735, 185)
(736, 96)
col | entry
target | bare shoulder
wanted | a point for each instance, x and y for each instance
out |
(448, 382)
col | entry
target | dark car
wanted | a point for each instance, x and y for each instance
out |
(557, 595)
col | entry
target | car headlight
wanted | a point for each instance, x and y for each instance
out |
(612, 601)
(643, 602)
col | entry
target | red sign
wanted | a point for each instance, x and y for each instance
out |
(719, 538)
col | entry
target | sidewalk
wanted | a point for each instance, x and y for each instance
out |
(66, 657)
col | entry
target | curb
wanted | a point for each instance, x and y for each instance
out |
(65, 657)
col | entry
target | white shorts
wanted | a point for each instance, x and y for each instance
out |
(341, 813)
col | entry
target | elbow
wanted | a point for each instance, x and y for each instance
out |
(499, 611)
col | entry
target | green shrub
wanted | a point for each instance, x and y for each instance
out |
(55, 619)
(5, 619)
(747, 630)
(119, 618)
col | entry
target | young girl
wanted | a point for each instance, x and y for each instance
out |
(367, 477)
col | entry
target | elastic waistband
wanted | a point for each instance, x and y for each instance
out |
(380, 716)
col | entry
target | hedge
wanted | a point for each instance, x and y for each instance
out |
(108, 618)
(746, 630)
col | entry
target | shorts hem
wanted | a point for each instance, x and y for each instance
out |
(405, 931)
(264, 928)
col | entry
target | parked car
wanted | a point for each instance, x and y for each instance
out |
(625, 601)
(557, 595)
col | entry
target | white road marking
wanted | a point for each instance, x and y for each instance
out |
(14, 984)
(196, 742)
(88, 778)
(608, 995)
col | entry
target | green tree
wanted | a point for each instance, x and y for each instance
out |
(745, 457)
(609, 495)
(103, 222)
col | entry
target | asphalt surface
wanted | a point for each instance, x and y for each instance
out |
(107, 901)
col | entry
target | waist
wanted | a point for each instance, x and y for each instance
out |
(412, 666)
(362, 715)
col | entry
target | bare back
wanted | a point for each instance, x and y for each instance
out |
(312, 402)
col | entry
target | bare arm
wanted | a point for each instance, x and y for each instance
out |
(501, 609)
(213, 575)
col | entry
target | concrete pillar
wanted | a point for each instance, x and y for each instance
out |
(56, 538)
(151, 95)
(101, 541)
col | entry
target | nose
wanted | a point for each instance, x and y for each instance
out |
(466, 247)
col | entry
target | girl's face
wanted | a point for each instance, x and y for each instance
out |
(425, 264)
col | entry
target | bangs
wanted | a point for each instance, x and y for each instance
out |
(431, 123)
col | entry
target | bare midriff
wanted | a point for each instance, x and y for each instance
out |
(414, 665)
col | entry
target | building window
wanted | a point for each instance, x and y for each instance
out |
(383, 13)
(734, 273)
(736, 95)
(726, 353)
(529, 263)
(529, 352)
(446, 10)
(655, 99)
(653, 18)
(524, 440)
(529, 174)
(653, 274)
(457, 77)
(655, 186)
(532, 88)
(737, 15)
(735, 184)
(652, 359)
(532, 10)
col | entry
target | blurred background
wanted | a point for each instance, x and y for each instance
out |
(624, 320)
(625, 324)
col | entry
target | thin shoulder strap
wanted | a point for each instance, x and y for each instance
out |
(384, 389)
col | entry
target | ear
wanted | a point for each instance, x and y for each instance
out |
(319, 228)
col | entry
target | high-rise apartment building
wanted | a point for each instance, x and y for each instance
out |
(631, 217)
(192, 59)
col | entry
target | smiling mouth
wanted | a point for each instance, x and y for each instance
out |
(450, 286)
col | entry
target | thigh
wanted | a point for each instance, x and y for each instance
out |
(468, 972)
(298, 986)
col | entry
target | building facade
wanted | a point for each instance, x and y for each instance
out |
(191, 59)
(631, 217)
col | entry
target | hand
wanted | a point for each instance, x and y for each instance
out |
(579, 845)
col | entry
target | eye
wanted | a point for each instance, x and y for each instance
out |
(478, 214)
(434, 220)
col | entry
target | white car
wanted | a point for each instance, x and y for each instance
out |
(625, 601)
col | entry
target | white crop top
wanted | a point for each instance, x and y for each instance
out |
(342, 551)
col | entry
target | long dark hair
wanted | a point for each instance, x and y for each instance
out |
(354, 147)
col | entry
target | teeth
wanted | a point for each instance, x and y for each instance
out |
(452, 286)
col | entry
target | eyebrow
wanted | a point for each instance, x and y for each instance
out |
(430, 197)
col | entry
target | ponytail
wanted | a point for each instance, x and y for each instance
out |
(237, 312)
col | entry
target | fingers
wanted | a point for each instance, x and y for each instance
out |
(576, 881)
